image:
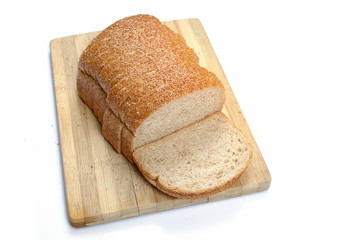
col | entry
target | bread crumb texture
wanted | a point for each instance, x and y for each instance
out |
(202, 158)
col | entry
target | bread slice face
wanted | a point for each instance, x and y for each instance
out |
(196, 161)
(175, 115)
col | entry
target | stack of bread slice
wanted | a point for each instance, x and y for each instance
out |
(161, 109)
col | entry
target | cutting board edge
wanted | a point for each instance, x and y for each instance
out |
(105, 218)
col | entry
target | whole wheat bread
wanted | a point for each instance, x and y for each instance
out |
(199, 160)
(157, 104)
(209, 155)
(152, 79)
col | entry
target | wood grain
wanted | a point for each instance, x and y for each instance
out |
(101, 185)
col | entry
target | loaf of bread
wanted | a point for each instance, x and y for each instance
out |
(147, 89)
(196, 161)
(151, 77)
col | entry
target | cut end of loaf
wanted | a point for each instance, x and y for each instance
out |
(179, 114)
(199, 160)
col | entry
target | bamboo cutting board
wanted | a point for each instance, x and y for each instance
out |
(101, 185)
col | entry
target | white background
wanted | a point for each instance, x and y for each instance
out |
(295, 69)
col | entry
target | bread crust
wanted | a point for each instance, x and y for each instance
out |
(92, 94)
(127, 144)
(99, 103)
(111, 129)
(135, 39)
(187, 195)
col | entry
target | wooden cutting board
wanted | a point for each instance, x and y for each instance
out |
(101, 185)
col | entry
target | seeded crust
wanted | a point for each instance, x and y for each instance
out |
(132, 41)
(196, 169)
(121, 90)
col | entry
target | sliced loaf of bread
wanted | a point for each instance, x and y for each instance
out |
(113, 129)
(161, 109)
(152, 79)
(196, 161)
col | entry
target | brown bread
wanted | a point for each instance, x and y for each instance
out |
(196, 161)
(161, 109)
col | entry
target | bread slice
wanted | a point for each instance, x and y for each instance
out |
(95, 98)
(112, 129)
(196, 161)
(92, 94)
